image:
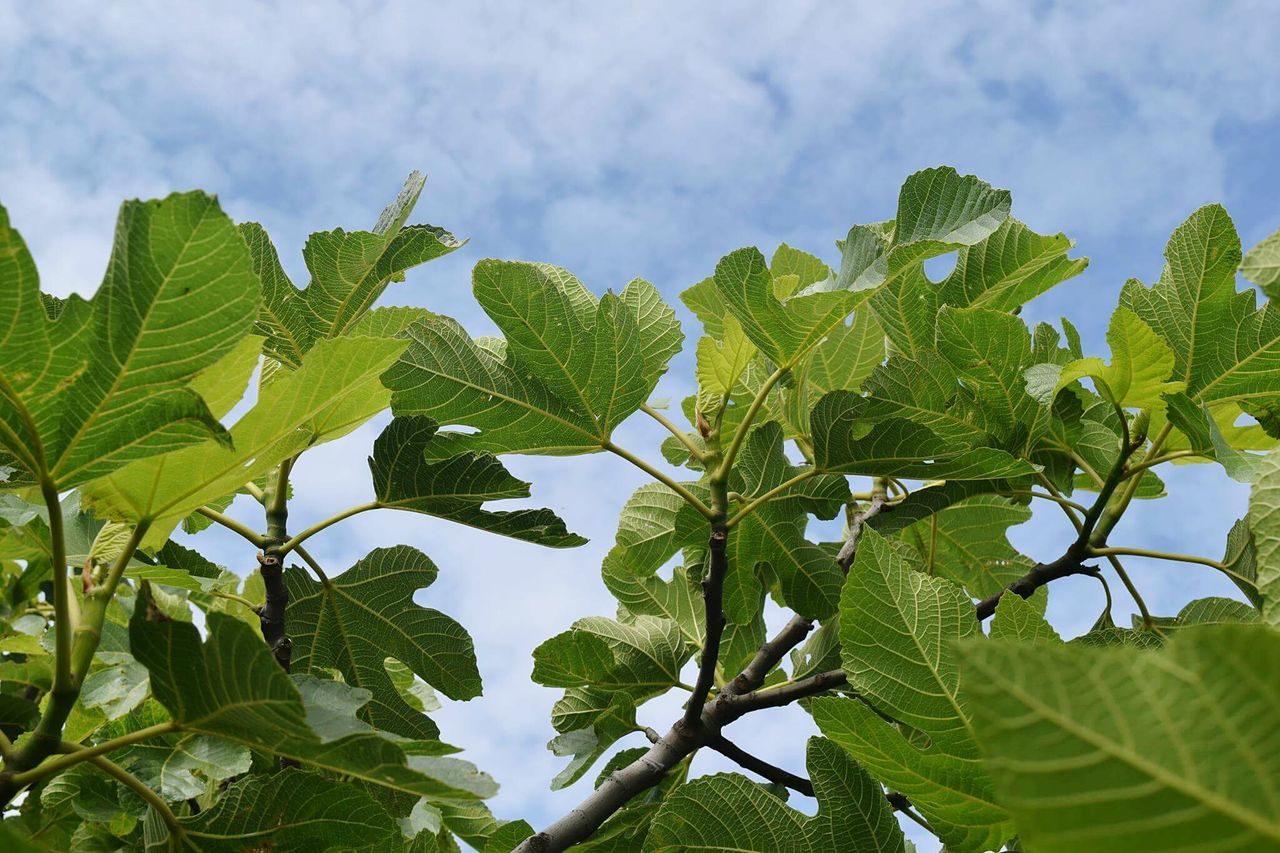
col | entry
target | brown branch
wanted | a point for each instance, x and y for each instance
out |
(759, 766)
(776, 697)
(753, 675)
(1043, 573)
(713, 596)
(1092, 533)
(902, 804)
(709, 718)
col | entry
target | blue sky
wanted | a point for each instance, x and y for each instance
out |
(641, 140)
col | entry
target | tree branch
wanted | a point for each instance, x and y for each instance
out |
(879, 497)
(902, 804)
(713, 597)
(759, 766)
(791, 635)
(783, 694)
(271, 566)
(684, 737)
(1065, 566)
(1091, 533)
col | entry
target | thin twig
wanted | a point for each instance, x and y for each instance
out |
(784, 694)
(759, 766)
(902, 804)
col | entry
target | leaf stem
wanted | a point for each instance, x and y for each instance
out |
(96, 600)
(232, 525)
(740, 435)
(124, 777)
(754, 503)
(1132, 588)
(62, 682)
(299, 538)
(681, 435)
(311, 561)
(689, 497)
(1152, 462)
(1156, 555)
(233, 597)
(65, 760)
(1031, 493)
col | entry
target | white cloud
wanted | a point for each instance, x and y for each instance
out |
(623, 141)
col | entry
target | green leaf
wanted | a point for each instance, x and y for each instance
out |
(456, 488)
(721, 364)
(1264, 522)
(925, 389)
(231, 687)
(1224, 348)
(990, 352)
(283, 320)
(354, 621)
(897, 447)
(1018, 618)
(336, 389)
(449, 378)
(774, 534)
(643, 657)
(898, 628)
(1241, 559)
(186, 767)
(616, 718)
(940, 211)
(602, 358)
(1262, 265)
(1141, 362)
(784, 331)
(1111, 750)
(893, 618)
(291, 810)
(953, 793)
(729, 812)
(350, 270)
(968, 543)
(108, 381)
(846, 357)
(1205, 436)
(1009, 268)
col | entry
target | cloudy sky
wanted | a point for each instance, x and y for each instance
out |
(640, 140)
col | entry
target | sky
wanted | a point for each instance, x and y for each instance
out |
(624, 140)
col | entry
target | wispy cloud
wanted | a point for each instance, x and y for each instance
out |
(622, 141)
